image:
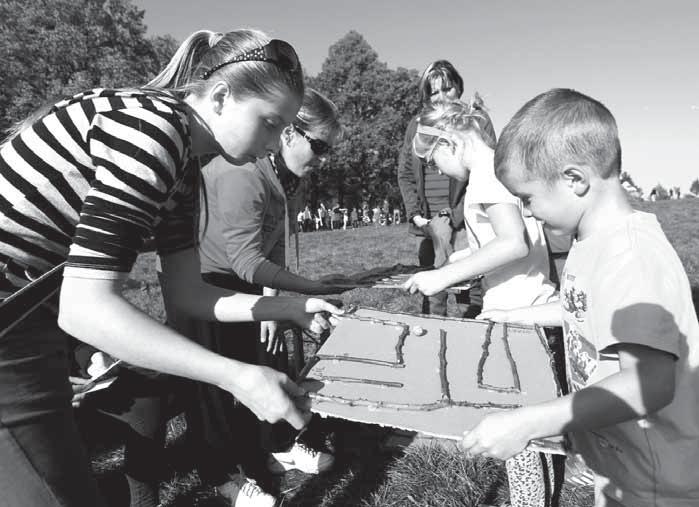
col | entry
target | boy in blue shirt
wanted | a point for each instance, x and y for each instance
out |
(630, 328)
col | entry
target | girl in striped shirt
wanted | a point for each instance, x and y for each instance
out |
(86, 182)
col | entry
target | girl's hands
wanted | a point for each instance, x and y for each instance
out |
(427, 282)
(270, 395)
(317, 315)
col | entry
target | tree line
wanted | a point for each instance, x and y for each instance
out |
(54, 48)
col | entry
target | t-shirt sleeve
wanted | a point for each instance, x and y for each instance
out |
(634, 304)
(139, 159)
(485, 188)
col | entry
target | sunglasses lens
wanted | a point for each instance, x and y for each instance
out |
(319, 147)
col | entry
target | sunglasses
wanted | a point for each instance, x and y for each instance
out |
(276, 51)
(318, 147)
(425, 152)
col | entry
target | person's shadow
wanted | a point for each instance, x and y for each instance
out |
(656, 323)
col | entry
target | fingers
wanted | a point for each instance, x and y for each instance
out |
(324, 306)
(263, 332)
(410, 285)
(297, 419)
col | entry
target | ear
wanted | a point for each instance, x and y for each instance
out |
(288, 135)
(219, 94)
(577, 178)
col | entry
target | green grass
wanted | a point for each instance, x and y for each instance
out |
(367, 473)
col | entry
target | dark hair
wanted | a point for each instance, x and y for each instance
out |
(444, 71)
(555, 128)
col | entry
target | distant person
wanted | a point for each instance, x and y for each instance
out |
(307, 219)
(396, 215)
(425, 192)
(299, 221)
(631, 330)
(345, 219)
(508, 249)
(354, 218)
(653, 195)
(323, 216)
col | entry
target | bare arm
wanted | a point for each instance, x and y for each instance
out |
(548, 314)
(644, 384)
(185, 292)
(510, 243)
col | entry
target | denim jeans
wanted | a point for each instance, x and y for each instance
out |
(42, 459)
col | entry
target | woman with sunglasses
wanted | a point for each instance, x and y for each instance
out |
(85, 181)
(243, 248)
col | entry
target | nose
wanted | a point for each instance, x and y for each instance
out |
(272, 144)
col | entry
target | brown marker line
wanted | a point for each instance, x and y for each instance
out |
(423, 407)
(513, 364)
(354, 380)
(446, 395)
(380, 362)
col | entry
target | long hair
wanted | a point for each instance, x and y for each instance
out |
(441, 70)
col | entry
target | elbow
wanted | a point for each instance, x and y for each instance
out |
(518, 249)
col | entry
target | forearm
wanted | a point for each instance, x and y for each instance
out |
(618, 398)
(548, 314)
(490, 257)
(274, 276)
(113, 325)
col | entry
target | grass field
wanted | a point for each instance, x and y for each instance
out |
(367, 472)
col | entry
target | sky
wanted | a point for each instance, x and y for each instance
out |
(640, 58)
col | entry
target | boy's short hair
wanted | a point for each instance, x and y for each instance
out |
(443, 70)
(558, 127)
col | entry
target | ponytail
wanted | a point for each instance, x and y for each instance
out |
(177, 74)
(461, 117)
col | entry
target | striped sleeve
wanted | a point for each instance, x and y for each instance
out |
(138, 155)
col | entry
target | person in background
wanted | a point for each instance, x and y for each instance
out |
(354, 218)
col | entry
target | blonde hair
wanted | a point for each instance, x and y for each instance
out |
(318, 113)
(457, 116)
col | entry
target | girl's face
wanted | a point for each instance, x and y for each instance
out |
(249, 128)
(297, 151)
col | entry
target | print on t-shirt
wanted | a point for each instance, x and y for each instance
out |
(581, 353)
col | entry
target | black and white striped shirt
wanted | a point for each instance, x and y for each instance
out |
(95, 177)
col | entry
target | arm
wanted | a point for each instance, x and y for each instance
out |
(94, 311)
(406, 173)
(548, 314)
(185, 292)
(644, 385)
(510, 244)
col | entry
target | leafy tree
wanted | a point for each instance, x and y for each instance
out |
(694, 187)
(51, 48)
(660, 192)
(375, 105)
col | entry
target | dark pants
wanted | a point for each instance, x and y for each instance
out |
(42, 459)
(437, 304)
(225, 433)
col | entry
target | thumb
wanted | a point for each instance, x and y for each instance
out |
(324, 306)
(292, 388)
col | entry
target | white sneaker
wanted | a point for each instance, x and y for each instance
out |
(241, 491)
(300, 457)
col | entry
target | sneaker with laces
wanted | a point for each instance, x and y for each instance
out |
(300, 457)
(241, 491)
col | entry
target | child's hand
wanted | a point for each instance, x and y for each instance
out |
(427, 282)
(499, 435)
(269, 335)
(494, 315)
